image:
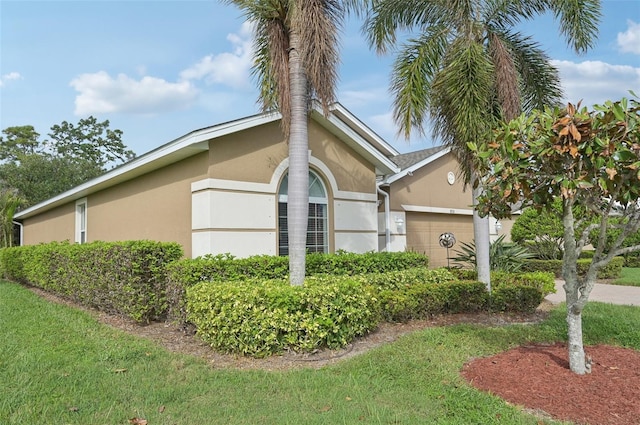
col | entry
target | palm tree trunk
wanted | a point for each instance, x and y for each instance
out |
(298, 195)
(481, 239)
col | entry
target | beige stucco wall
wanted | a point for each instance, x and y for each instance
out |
(250, 155)
(257, 155)
(254, 154)
(428, 186)
(155, 206)
(351, 171)
(444, 208)
(57, 224)
(160, 205)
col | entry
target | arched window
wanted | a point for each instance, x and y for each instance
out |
(317, 234)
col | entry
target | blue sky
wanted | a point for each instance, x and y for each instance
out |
(160, 69)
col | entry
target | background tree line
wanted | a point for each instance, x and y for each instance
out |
(33, 169)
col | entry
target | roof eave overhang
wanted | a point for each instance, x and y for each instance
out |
(410, 170)
(174, 151)
(359, 137)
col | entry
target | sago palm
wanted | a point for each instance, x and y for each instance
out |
(468, 66)
(295, 59)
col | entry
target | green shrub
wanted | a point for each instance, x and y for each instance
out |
(542, 281)
(550, 266)
(632, 260)
(612, 270)
(345, 263)
(262, 318)
(188, 272)
(587, 254)
(403, 278)
(516, 298)
(423, 300)
(125, 278)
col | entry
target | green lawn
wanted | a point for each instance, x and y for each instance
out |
(630, 277)
(59, 366)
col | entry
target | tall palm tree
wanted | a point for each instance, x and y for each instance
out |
(468, 66)
(296, 59)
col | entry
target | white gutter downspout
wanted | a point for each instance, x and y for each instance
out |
(21, 231)
(387, 219)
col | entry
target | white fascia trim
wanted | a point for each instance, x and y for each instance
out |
(371, 135)
(194, 140)
(385, 162)
(437, 210)
(344, 124)
(417, 166)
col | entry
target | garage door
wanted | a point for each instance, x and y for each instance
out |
(424, 230)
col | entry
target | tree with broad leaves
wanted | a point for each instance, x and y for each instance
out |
(587, 159)
(73, 155)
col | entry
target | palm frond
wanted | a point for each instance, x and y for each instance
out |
(539, 80)
(506, 14)
(579, 21)
(413, 71)
(461, 100)
(386, 18)
(318, 23)
(507, 88)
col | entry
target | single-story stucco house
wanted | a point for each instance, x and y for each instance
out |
(223, 189)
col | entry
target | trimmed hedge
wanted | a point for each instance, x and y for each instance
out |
(404, 278)
(612, 270)
(423, 300)
(632, 260)
(263, 318)
(125, 278)
(220, 268)
(544, 282)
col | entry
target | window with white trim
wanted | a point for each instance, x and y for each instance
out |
(81, 220)
(317, 225)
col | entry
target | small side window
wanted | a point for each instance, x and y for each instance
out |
(81, 221)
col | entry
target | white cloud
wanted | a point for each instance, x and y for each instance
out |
(357, 98)
(595, 81)
(629, 41)
(228, 68)
(8, 77)
(101, 93)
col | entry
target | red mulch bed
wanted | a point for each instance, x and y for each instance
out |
(538, 377)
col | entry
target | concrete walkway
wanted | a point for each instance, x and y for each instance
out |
(613, 294)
